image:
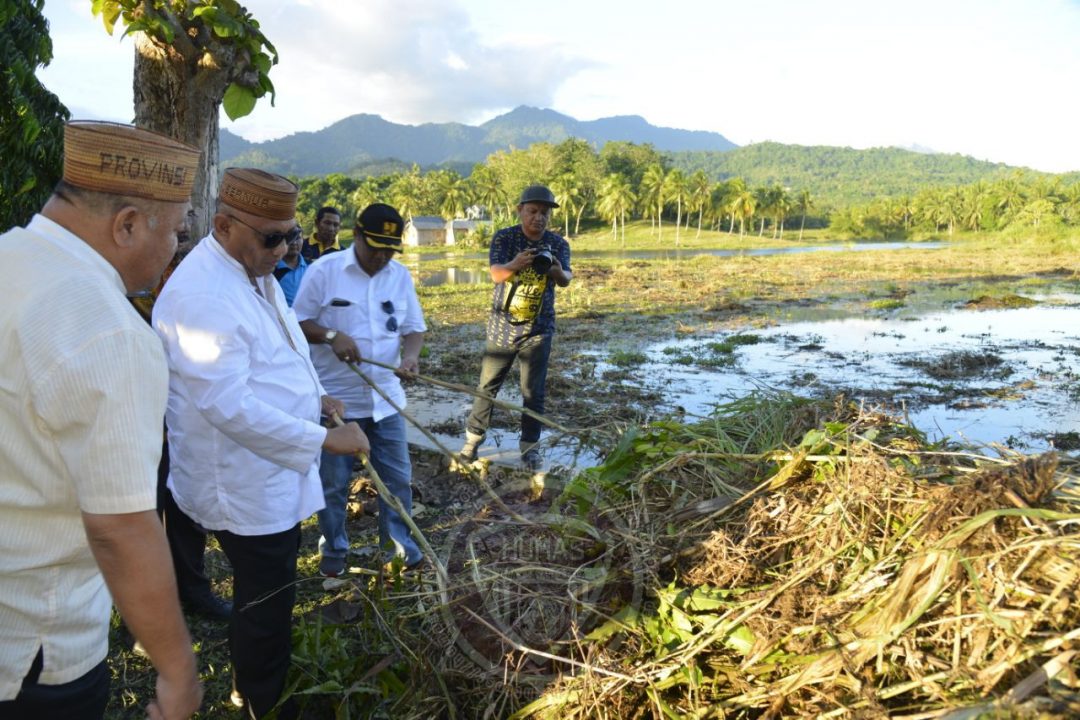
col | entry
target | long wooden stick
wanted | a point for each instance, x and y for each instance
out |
(391, 500)
(470, 391)
(488, 490)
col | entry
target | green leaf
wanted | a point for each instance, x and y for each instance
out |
(625, 619)
(262, 63)
(741, 640)
(238, 101)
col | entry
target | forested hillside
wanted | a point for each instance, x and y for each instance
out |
(840, 176)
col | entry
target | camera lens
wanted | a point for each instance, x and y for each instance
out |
(542, 261)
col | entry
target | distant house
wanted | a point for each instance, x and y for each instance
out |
(427, 230)
(433, 230)
(459, 228)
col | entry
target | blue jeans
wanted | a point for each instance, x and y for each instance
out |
(390, 458)
(532, 355)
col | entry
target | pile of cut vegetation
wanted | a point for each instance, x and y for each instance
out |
(801, 558)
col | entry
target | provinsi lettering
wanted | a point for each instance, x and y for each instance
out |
(138, 168)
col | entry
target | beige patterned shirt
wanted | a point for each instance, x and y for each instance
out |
(83, 384)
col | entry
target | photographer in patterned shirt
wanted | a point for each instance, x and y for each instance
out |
(527, 261)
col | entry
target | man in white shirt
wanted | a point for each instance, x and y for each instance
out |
(354, 305)
(243, 418)
(84, 388)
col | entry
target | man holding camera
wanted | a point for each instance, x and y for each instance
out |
(527, 262)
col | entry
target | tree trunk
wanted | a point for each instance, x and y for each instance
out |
(678, 220)
(180, 97)
(802, 224)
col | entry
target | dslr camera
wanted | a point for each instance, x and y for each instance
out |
(542, 261)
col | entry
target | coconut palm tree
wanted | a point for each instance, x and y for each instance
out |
(488, 189)
(675, 189)
(803, 203)
(568, 193)
(450, 193)
(733, 188)
(366, 193)
(763, 202)
(405, 191)
(698, 194)
(781, 206)
(652, 196)
(743, 206)
(616, 199)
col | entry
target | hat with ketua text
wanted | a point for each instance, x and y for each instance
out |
(382, 226)
(259, 193)
(125, 160)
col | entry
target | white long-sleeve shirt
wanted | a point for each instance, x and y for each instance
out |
(244, 398)
(362, 312)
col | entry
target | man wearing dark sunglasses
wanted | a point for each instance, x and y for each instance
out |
(243, 417)
(354, 306)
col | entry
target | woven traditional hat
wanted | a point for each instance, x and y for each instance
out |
(125, 160)
(382, 226)
(260, 193)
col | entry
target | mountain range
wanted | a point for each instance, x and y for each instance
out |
(359, 143)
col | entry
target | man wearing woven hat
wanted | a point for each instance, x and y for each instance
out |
(243, 418)
(527, 262)
(84, 391)
(360, 305)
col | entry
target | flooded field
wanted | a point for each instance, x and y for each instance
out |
(470, 268)
(1009, 376)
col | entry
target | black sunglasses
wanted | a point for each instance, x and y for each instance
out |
(391, 322)
(271, 240)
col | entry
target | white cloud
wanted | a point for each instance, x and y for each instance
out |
(411, 62)
(993, 80)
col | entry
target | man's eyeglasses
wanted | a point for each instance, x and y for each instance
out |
(271, 240)
(391, 322)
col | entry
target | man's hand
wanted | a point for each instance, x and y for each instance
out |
(345, 348)
(522, 260)
(409, 368)
(133, 554)
(332, 406)
(347, 439)
(175, 701)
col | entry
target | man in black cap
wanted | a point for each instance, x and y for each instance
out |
(527, 262)
(354, 306)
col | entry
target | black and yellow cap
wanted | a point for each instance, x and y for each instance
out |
(382, 226)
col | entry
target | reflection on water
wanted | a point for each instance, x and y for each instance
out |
(1003, 376)
(455, 276)
(462, 275)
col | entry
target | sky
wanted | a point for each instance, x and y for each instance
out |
(998, 80)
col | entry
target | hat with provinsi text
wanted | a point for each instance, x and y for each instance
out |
(125, 160)
(382, 226)
(259, 193)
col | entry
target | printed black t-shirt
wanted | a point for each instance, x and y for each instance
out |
(524, 305)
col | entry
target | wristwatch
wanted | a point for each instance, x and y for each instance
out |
(329, 337)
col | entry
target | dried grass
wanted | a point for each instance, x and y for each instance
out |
(810, 560)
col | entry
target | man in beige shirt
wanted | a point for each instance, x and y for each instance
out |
(83, 384)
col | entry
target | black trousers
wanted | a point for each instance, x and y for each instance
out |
(187, 539)
(260, 630)
(81, 699)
